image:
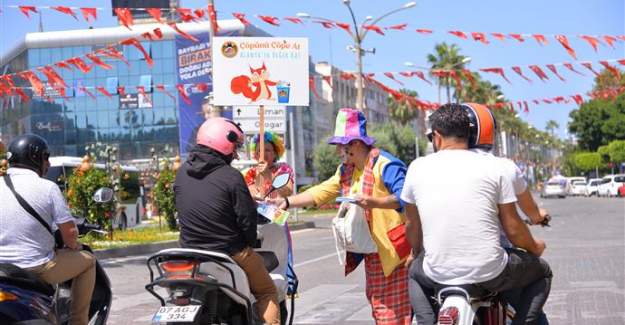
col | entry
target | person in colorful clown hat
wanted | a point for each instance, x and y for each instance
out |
(259, 178)
(374, 179)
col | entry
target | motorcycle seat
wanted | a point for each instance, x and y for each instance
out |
(13, 275)
(475, 292)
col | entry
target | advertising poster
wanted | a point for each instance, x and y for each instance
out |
(252, 71)
(193, 67)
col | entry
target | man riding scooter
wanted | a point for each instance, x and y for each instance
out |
(31, 206)
(217, 212)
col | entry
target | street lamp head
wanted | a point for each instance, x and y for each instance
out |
(368, 18)
(466, 59)
(302, 15)
(346, 2)
(409, 64)
(410, 4)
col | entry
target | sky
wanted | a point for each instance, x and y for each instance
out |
(568, 17)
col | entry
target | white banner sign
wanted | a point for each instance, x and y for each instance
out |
(256, 71)
(247, 112)
(252, 126)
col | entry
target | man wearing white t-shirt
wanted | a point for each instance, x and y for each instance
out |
(457, 202)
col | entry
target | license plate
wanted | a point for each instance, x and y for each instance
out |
(176, 314)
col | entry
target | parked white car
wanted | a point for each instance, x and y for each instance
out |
(610, 184)
(554, 187)
(592, 186)
(577, 187)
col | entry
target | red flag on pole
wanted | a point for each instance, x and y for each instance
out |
(498, 71)
(517, 37)
(241, 17)
(89, 13)
(540, 39)
(588, 66)
(555, 71)
(480, 37)
(520, 73)
(539, 72)
(458, 34)
(125, 16)
(26, 10)
(570, 67)
(95, 59)
(271, 20)
(591, 40)
(65, 10)
(155, 13)
(565, 43)
(103, 91)
(134, 42)
(183, 94)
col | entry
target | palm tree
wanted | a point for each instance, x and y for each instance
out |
(403, 111)
(446, 57)
(551, 127)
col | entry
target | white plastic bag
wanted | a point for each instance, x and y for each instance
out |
(351, 231)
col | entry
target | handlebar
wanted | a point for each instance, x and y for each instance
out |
(544, 223)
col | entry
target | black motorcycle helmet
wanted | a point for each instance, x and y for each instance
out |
(28, 151)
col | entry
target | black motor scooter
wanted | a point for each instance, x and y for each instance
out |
(26, 299)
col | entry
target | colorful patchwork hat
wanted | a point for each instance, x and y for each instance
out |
(350, 125)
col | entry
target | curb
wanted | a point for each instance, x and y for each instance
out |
(144, 249)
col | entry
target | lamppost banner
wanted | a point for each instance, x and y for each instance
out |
(253, 71)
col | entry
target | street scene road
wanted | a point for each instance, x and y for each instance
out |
(585, 247)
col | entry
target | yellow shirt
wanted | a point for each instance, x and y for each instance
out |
(382, 221)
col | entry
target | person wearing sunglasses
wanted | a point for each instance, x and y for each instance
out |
(26, 237)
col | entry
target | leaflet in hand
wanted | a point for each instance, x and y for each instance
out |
(272, 213)
(348, 199)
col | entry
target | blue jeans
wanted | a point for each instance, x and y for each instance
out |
(524, 271)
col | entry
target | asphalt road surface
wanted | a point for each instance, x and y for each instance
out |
(585, 247)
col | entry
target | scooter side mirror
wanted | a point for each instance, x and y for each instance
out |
(103, 195)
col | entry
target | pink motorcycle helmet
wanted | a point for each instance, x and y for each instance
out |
(221, 135)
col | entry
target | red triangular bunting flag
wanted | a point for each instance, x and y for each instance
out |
(614, 71)
(588, 66)
(86, 91)
(80, 64)
(469, 75)
(27, 9)
(62, 64)
(565, 43)
(104, 91)
(125, 16)
(499, 36)
(570, 67)
(374, 28)
(112, 52)
(199, 13)
(526, 108)
(325, 24)
(540, 39)
(344, 26)
(271, 20)
(591, 40)
(621, 62)
(294, 20)
(610, 40)
(536, 101)
(183, 34)
(134, 42)
(162, 89)
(498, 71)
(423, 31)
(539, 72)
(183, 94)
(397, 27)
(517, 37)
(547, 101)
(89, 13)
(121, 90)
(458, 34)
(155, 13)
(555, 71)
(241, 17)
(578, 99)
(391, 76)
(35, 82)
(480, 37)
(520, 73)
(347, 76)
(185, 14)
(65, 10)
(95, 59)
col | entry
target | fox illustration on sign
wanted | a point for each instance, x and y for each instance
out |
(254, 87)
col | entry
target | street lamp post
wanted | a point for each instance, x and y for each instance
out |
(358, 37)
